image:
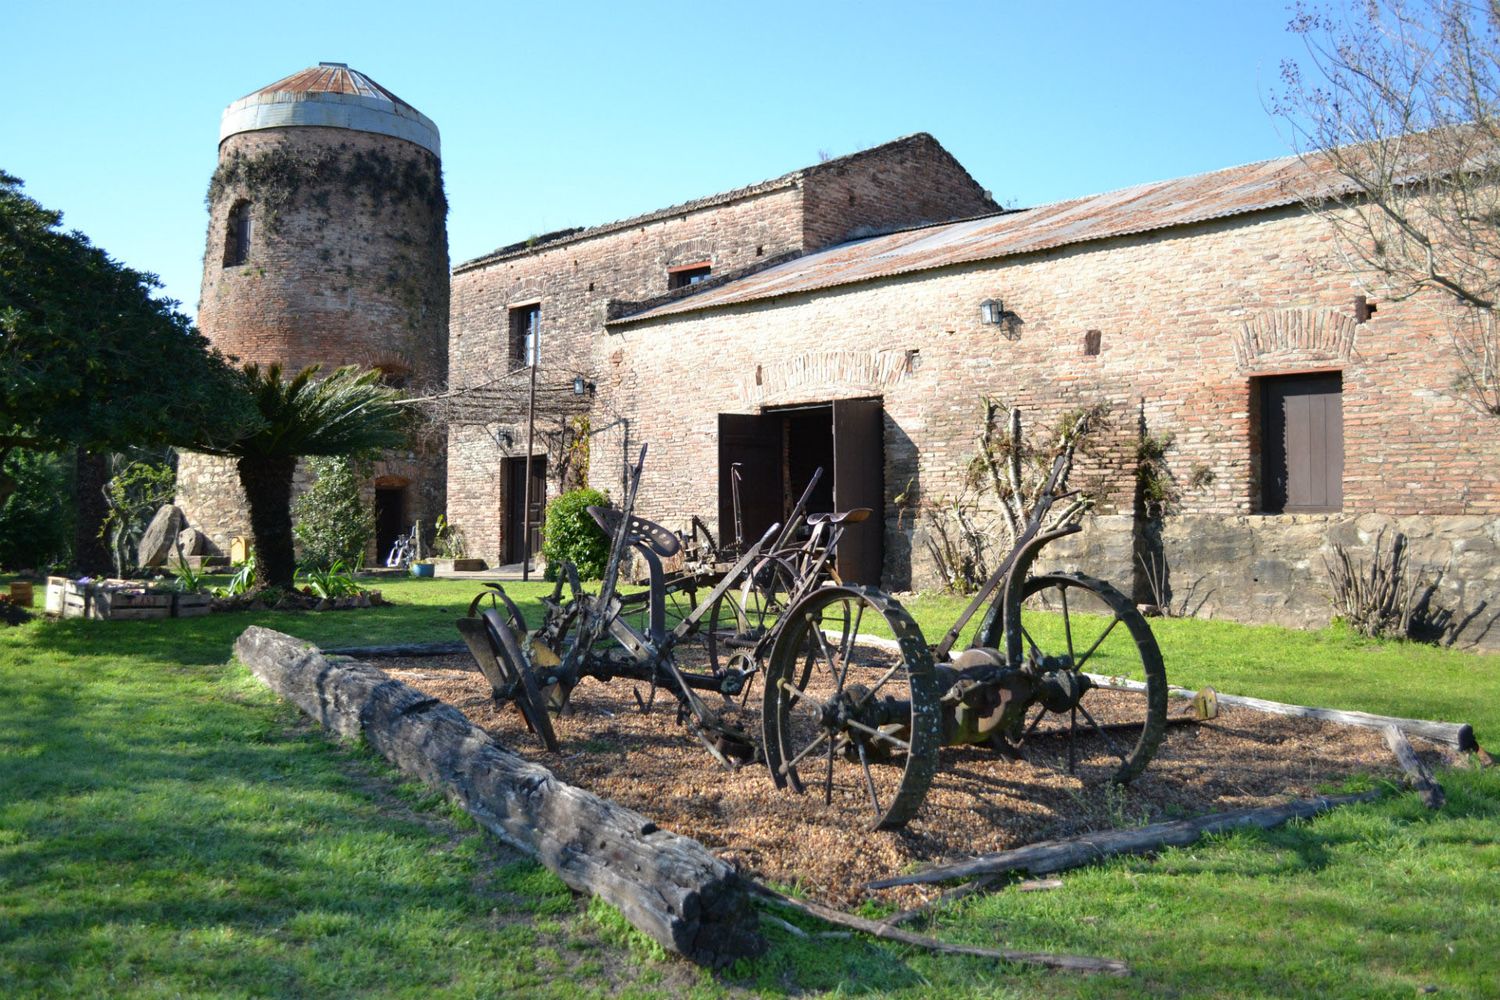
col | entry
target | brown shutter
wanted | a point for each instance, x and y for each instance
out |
(859, 481)
(754, 441)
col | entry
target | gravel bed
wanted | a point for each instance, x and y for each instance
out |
(979, 801)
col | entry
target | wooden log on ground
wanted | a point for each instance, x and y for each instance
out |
(668, 886)
(1047, 856)
(881, 929)
(1417, 775)
(400, 650)
(1455, 734)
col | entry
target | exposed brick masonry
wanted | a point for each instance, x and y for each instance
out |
(577, 275)
(347, 264)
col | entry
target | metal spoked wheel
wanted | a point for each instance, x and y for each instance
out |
(1100, 631)
(851, 715)
(743, 616)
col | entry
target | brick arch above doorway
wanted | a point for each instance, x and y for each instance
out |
(1303, 336)
(824, 375)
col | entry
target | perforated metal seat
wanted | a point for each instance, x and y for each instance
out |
(641, 533)
(854, 516)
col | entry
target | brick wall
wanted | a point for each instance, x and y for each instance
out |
(910, 182)
(1188, 318)
(347, 264)
(579, 277)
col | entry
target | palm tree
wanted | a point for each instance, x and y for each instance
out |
(346, 413)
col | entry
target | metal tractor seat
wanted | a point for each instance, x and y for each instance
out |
(854, 516)
(642, 534)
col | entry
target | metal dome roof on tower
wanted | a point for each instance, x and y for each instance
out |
(330, 95)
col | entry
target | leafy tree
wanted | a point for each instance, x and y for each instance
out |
(88, 357)
(347, 413)
(34, 526)
(332, 520)
(1401, 100)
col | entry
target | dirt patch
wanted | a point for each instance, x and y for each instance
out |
(978, 802)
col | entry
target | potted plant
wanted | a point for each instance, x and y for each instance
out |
(423, 567)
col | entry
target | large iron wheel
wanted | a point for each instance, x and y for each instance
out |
(745, 613)
(850, 713)
(1099, 631)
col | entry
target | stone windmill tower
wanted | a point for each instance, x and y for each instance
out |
(327, 244)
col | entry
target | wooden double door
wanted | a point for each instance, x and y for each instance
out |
(777, 451)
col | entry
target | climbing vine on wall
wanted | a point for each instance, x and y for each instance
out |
(276, 176)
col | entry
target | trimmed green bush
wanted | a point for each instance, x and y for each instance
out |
(333, 522)
(572, 536)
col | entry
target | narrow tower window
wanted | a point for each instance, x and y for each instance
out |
(237, 235)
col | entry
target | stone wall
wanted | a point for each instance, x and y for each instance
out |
(1189, 318)
(208, 490)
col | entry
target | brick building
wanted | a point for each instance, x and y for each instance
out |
(327, 244)
(823, 319)
(566, 284)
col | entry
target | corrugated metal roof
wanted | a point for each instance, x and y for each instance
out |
(331, 78)
(1142, 208)
(330, 95)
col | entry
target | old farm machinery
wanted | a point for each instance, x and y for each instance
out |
(855, 704)
(861, 718)
(652, 636)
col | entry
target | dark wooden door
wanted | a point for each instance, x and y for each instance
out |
(515, 496)
(1302, 468)
(859, 481)
(753, 441)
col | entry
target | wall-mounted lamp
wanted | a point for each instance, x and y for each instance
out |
(506, 439)
(582, 386)
(991, 312)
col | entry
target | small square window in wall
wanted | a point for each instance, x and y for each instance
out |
(525, 333)
(1302, 443)
(688, 274)
(1092, 340)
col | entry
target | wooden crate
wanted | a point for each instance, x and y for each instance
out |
(57, 587)
(120, 600)
(191, 605)
(126, 602)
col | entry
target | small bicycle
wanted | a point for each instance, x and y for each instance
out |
(404, 550)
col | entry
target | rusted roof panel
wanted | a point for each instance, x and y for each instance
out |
(331, 78)
(1142, 208)
(330, 95)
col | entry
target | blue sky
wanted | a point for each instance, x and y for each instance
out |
(579, 113)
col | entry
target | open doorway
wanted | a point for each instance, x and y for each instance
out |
(390, 519)
(779, 449)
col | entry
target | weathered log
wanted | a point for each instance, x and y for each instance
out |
(880, 929)
(402, 650)
(1047, 856)
(957, 892)
(668, 886)
(1455, 734)
(1417, 774)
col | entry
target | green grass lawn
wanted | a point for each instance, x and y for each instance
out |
(167, 828)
